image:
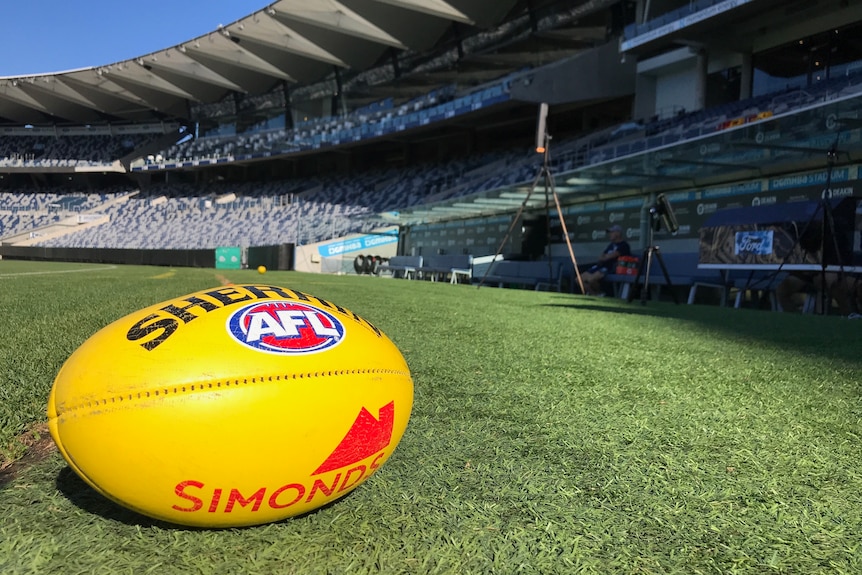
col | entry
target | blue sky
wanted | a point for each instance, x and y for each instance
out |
(43, 36)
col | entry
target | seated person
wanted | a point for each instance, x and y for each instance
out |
(607, 263)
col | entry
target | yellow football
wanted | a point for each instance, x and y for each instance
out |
(233, 406)
(261, 269)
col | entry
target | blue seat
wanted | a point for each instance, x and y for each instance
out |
(453, 266)
(401, 266)
(533, 274)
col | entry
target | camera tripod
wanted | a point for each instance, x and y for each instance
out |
(651, 251)
(822, 228)
(544, 175)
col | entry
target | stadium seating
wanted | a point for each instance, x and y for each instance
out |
(315, 209)
(365, 123)
(605, 145)
(301, 211)
(681, 269)
(453, 267)
(537, 275)
(321, 208)
(401, 266)
(685, 276)
(68, 151)
(24, 211)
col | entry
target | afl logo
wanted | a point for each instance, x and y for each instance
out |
(285, 327)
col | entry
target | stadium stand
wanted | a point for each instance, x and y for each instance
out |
(365, 123)
(172, 216)
(239, 175)
(197, 218)
(27, 217)
(603, 145)
(68, 151)
(52, 148)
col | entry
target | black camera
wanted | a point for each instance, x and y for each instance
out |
(662, 215)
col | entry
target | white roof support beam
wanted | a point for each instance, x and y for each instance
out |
(219, 46)
(52, 86)
(270, 32)
(9, 90)
(436, 8)
(95, 81)
(297, 41)
(132, 73)
(172, 60)
(334, 16)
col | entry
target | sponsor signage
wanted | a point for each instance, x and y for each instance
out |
(753, 242)
(811, 179)
(285, 327)
(154, 329)
(357, 244)
(228, 258)
(358, 455)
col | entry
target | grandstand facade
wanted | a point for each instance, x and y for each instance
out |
(425, 119)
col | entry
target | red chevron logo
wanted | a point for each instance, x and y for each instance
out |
(368, 435)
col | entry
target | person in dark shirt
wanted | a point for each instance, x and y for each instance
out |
(607, 262)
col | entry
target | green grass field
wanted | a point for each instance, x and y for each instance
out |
(550, 433)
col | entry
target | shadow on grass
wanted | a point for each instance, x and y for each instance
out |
(622, 310)
(830, 336)
(88, 499)
(80, 494)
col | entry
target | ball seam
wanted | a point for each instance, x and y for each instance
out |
(166, 391)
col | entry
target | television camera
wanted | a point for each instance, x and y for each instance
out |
(662, 214)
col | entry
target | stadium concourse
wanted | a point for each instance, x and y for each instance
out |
(308, 122)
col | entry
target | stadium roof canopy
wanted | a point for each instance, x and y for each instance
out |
(295, 41)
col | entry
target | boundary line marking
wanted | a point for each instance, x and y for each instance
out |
(20, 274)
